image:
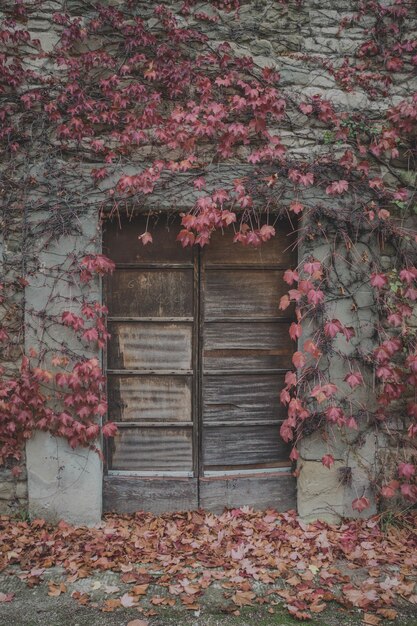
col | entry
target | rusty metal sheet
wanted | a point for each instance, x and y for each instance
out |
(242, 399)
(150, 293)
(250, 346)
(152, 449)
(148, 345)
(243, 294)
(150, 398)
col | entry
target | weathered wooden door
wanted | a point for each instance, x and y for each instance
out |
(195, 364)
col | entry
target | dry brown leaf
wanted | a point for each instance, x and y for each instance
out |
(140, 590)
(55, 590)
(111, 604)
(371, 619)
(388, 613)
(129, 577)
(243, 598)
(138, 622)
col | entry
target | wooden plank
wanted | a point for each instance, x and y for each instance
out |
(158, 495)
(157, 320)
(150, 293)
(243, 398)
(150, 398)
(233, 293)
(121, 243)
(277, 251)
(150, 449)
(245, 345)
(277, 491)
(243, 445)
(145, 345)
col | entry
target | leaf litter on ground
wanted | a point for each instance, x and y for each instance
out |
(173, 558)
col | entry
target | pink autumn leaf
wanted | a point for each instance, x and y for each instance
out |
(290, 277)
(109, 429)
(298, 359)
(6, 597)
(348, 332)
(296, 207)
(394, 319)
(378, 280)
(312, 267)
(354, 379)
(90, 334)
(408, 275)
(295, 331)
(290, 379)
(306, 108)
(360, 504)
(294, 454)
(338, 187)
(409, 491)
(406, 470)
(199, 183)
(391, 489)
(284, 303)
(145, 238)
(383, 214)
(327, 460)
(315, 296)
(332, 327)
(266, 232)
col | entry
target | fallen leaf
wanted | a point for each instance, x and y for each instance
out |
(388, 613)
(6, 597)
(243, 598)
(371, 619)
(140, 590)
(127, 601)
(111, 604)
(138, 622)
(55, 590)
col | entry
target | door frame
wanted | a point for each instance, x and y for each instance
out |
(162, 490)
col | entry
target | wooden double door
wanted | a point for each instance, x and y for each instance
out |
(195, 364)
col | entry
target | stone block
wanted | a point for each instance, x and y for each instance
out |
(7, 490)
(63, 483)
(320, 491)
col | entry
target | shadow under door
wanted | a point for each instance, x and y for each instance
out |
(195, 364)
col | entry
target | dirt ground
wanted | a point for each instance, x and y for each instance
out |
(34, 607)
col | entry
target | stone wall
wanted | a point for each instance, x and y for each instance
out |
(13, 488)
(62, 482)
